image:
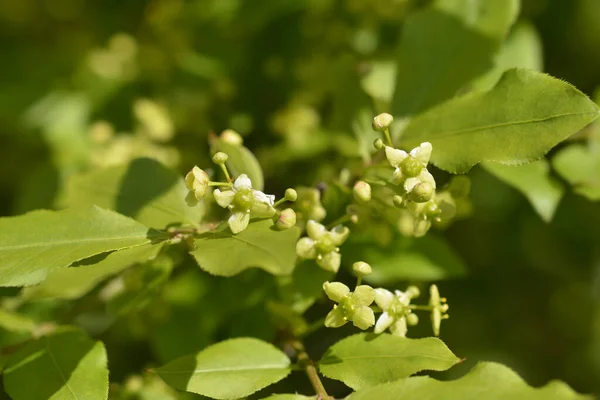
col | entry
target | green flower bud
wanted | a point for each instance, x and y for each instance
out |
(291, 194)
(432, 210)
(362, 268)
(286, 219)
(422, 192)
(412, 319)
(382, 121)
(362, 191)
(378, 144)
(231, 137)
(398, 201)
(197, 182)
(220, 158)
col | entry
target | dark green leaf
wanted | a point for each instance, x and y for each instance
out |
(446, 45)
(489, 381)
(36, 243)
(144, 190)
(228, 370)
(366, 360)
(510, 124)
(65, 365)
(260, 245)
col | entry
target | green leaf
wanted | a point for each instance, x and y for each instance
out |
(366, 360)
(66, 365)
(260, 245)
(489, 381)
(14, 322)
(36, 243)
(289, 397)
(242, 161)
(446, 45)
(522, 49)
(534, 181)
(228, 370)
(74, 282)
(518, 121)
(580, 166)
(428, 258)
(144, 190)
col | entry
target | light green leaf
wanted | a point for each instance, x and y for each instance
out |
(518, 121)
(489, 381)
(380, 81)
(144, 190)
(366, 360)
(580, 166)
(428, 258)
(74, 282)
(534, 181)
(260, 245)
(14, 322)
(36, 243)
(289, 397)
(66, 365)
(522, 49)
(228, 370)
(242, 161)
(446, 45)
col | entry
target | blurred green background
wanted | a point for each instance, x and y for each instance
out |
(86, 84)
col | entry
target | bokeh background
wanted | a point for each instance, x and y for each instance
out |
(87, 84)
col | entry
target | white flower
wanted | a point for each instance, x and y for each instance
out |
(411, 168)
(395, 307)
(322, 245)
(244, 201)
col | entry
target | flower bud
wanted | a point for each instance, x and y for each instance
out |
(378, 144)
(197, 181)
(362, 191)
(411, 167)
(291, 194)
(421, 192)
(412, 319)
(220, 158)
(413, 292)
(382, 121)
(286, 219)
(398, 201)
(231, 137)
(361, 268)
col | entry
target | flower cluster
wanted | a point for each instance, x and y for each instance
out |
(323, 245)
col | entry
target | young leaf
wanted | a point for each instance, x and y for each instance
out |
(446, 45)
(510, 124)
(71, 283)
(366, 360)
(144, 190)
(533, 180)
(64, 365)
(580, 167)
(228, 370)
(260, 245)
(242, 161)
(490, 380)
(36, 243)
(427, 258)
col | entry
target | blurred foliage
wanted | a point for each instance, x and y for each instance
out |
(87, 84)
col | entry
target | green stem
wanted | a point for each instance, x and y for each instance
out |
(338, 221)
(419, 307)
(388, 137)
(219, 184)
(278, 202)
(226, 172)
(308, 366)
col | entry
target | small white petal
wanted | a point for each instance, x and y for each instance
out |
(384, 321)
(335, 318)
(410, 183)
(242, 182)
(315, 230)
(363, 295)
(305, 248)
(238, 221)
(264, 198)
(363, 318)
(383, 298)
(339, 234)
(425, 176)
(403, 297)
(262, 210)
(422, 153)
(398, 176)
(395, 156)
(336, 291)
(330, 261)
(223, 198)
(399, 327)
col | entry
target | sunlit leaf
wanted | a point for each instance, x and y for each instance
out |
(260, 245)
(36, 243)
(242, 161)
(488, 380)
(228, 370)
(66, 365)
(366, 360)
(580, 166)
(518, 121)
